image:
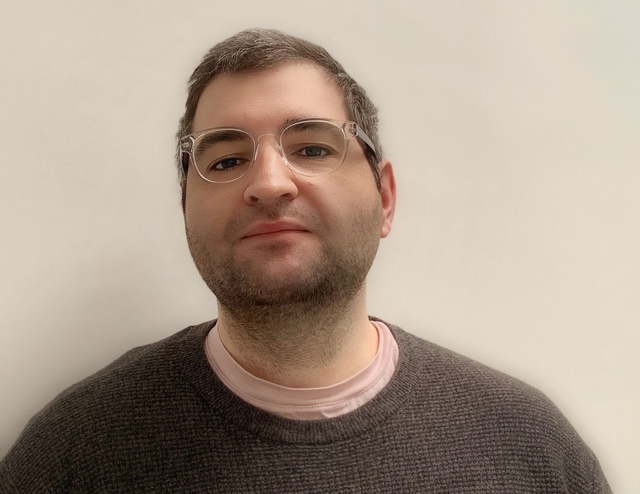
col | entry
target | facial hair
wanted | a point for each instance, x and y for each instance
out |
(327, 283)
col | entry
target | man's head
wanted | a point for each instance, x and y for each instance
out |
(257, 49)
(271, 235)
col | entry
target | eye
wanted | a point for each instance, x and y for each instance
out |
(225, 164)
(313, 151)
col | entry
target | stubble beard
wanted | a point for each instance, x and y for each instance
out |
(268, 311)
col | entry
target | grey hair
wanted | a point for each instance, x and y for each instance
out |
(256, 49)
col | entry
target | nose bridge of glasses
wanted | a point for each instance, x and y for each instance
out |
(275, 142)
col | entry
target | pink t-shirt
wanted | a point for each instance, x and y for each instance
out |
(306, 403)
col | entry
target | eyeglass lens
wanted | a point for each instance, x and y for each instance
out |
(310, 147)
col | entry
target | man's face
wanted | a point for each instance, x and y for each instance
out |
(274, 237)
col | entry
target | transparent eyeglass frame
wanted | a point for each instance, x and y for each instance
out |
(349, 130)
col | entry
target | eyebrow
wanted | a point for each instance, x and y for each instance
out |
(213, 136)
(290, 121)
(222, 136)
(304, 125)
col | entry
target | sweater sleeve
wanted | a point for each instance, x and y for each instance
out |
(600, 484)
(41, 459)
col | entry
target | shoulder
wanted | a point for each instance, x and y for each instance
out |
(474, 408)
(145, 368)
(127, 399)
(460, 377)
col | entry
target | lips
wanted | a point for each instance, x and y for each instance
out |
(271, 227)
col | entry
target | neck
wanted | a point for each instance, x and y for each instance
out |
(301, 347)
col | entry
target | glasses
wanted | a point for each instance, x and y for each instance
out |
(308, 147)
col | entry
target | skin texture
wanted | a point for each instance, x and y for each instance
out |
(287, 255)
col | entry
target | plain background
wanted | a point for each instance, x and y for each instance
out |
(513, 128)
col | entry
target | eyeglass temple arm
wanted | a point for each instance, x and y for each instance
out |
(365, 138)
(185, 152)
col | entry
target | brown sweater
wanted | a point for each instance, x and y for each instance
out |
(158, 420)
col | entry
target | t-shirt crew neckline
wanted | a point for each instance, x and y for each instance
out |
(306, 403)
(238, 417)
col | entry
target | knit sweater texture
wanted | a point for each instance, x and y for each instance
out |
(158, 420)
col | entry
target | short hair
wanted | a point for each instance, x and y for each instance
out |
(256, 49)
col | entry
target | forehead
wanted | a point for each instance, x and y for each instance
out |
(265, 100)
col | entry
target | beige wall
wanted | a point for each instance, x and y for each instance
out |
(513, 128)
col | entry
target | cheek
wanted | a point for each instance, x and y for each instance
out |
(353, 211)
(202, 211)
(193, 218)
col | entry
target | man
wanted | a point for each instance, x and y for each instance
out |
(294, 388)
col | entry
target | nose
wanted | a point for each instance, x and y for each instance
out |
(270, 179)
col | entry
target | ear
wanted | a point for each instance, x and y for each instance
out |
(387, 195)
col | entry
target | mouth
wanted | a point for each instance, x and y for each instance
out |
(273, 229)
